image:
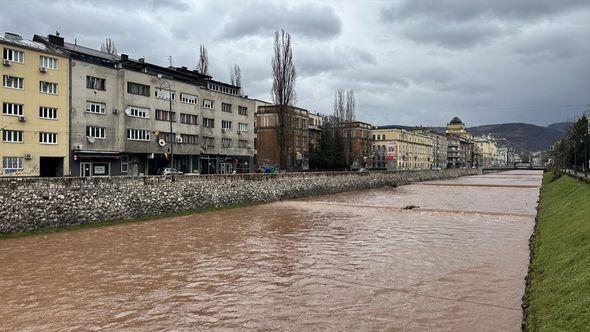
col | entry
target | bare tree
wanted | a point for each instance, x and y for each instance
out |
(108, 46)
(283, 92)
(350, 105)
(235, 75)
(203, 65)
(339, 111)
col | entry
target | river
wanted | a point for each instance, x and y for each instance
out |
(443, 255)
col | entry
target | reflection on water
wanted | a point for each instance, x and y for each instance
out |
(352, 261)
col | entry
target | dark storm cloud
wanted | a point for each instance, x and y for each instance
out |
(461, 24)
(331, 60)
(263, 18)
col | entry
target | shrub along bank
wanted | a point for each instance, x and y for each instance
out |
(558, 285)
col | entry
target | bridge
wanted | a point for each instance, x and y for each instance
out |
(516, 165)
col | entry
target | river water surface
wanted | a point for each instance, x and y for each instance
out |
(352, 261)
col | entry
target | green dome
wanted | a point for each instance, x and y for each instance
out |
(456, 120)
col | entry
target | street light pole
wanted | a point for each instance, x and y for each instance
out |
(171, 135)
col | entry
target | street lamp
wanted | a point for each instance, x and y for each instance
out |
(171, 149)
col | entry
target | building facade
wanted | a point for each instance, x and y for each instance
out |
(35, 109)
(485, 149)
(296, 135)
(131, 117)
(398, 149)
(358, 140)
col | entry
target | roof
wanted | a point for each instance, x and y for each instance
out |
(17, 40)
(456, 120)
(75, 48)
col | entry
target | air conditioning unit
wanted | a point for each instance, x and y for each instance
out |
(90, 139)
(28, 156)
(6, 62)
(22, 118)
(179, 139)
(43, 69)
(78, 147)
(115, 111)
(223, 130)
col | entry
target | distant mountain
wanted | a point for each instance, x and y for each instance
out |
(560, 126)
(525, 137)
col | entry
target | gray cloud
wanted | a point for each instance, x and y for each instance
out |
(410, 62)
(263, 18)
(462, 24)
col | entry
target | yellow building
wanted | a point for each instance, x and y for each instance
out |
(396, 148)
(35, 109)
(457, 127)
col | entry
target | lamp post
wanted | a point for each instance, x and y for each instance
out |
(169, 118)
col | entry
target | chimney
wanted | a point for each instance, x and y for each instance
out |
(56, 40)
(141, 59)
(124, 57)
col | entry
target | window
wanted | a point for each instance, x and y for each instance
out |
(243, 127)
(226, 142)
(12, 109)
(14, 55)
(48, 62)
(48, 138)
(138, 89)
(242, 110)
(13, 82)
(188, 99)
(226, 107)
(242, 144)
(138, 135)
(190, 139)
(189, 119)
(208, 104)
(226, 124)
(95, 83)
(124, 164)
(168, 137)
(12, 164)
(209, 141)
(208, 123)
(47, 112)
(96, 132)
(164, 94)
(162, 115)
(48, 87)
(138, 112)
(94, 107)
(12, 136)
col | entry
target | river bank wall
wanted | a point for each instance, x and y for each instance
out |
(38, 203)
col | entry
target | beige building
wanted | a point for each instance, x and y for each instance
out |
(399, 149)
(35, 119)
(485, 150)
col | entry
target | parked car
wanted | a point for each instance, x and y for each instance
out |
(170, 171)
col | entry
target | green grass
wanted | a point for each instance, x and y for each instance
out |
(117, 222)
(558, 296)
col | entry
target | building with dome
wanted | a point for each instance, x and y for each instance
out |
(460, 151)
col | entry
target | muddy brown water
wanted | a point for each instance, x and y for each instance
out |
(352, 261)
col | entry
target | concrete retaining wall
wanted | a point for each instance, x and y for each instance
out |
(36, 203)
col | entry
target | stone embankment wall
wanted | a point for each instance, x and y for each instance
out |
(36, 203)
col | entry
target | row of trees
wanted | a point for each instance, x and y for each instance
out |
(572, 151)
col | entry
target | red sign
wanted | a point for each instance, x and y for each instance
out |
(391, 151)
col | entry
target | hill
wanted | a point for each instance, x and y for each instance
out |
(560, 126)
(526, 137)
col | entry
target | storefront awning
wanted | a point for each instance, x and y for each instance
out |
(97, 154)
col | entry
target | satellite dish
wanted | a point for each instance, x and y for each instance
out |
(91, 139)
(162, 142)
(179, 139)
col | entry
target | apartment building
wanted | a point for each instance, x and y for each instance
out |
(131, 117)
(485, 150)
(357, 136)
(395, 148)
(296, 133)
(440, 147)
(35, 119)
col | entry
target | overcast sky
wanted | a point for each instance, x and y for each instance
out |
(414, 62)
